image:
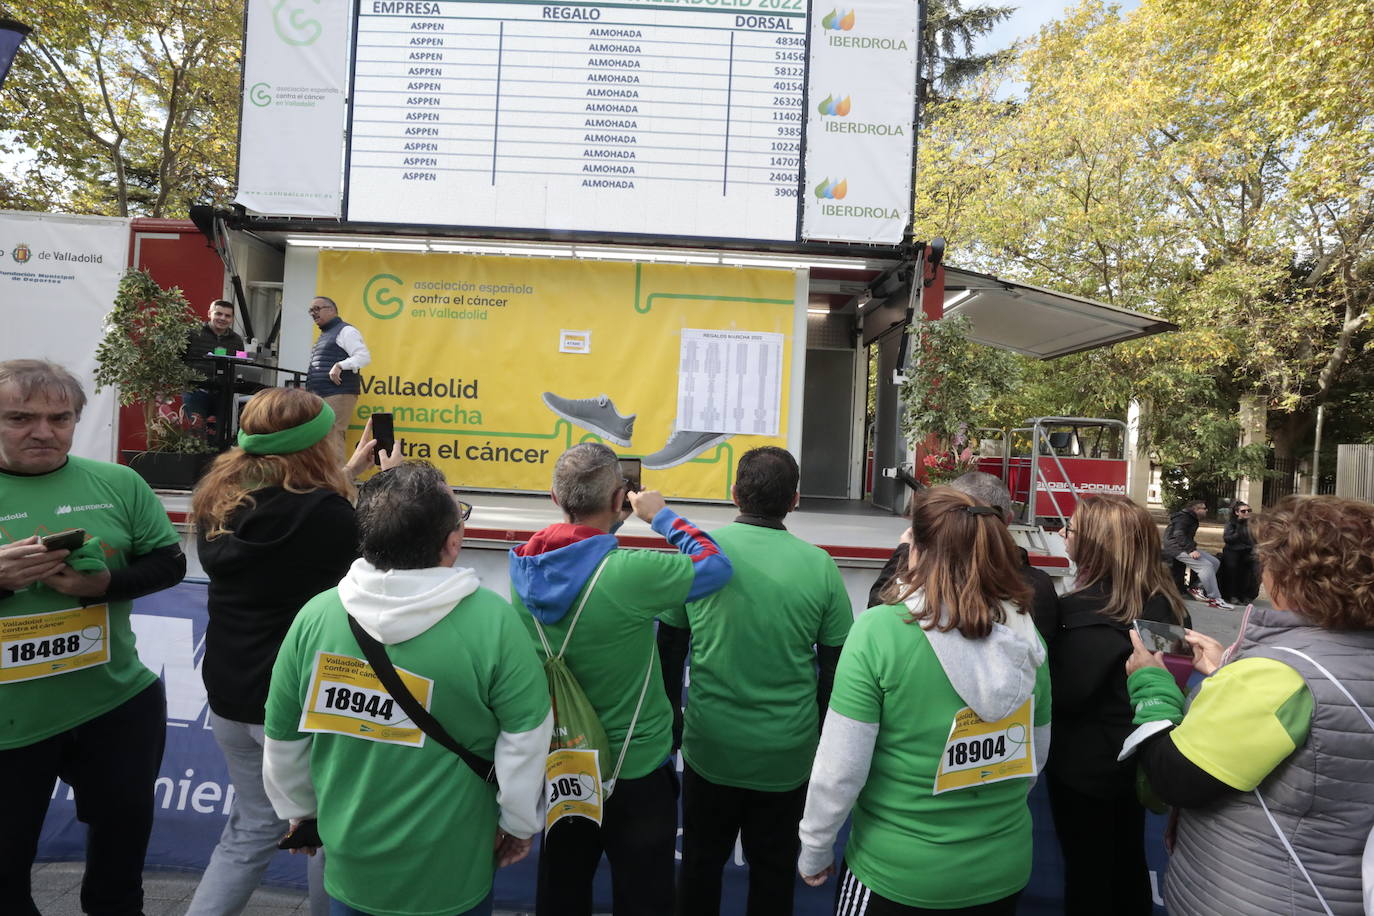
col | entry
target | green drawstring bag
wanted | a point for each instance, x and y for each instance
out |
(578, 775)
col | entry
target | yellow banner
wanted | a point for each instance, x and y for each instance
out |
(494, 366)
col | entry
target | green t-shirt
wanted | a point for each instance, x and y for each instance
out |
(409, 830)
(960, 848)
(111, 503)
(751, 719)
(614, 643)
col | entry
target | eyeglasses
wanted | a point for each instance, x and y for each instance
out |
(1068, 527)
(1242, 511)
(316, 309)
(464, 510)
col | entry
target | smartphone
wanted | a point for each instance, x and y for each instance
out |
(71, 539)
(1163, 637)
(384, 431)
(630, 469)
(303, 835)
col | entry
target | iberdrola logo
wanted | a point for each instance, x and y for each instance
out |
(834, 106)
(832, 190)
(841, 20)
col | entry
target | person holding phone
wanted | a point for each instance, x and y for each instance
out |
(274, 527)
(75, 700)
(1098, 818)
(1271, 765)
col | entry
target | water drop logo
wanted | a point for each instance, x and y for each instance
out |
(841, 21)
(832, 190)
(833, 106)
(375, 299)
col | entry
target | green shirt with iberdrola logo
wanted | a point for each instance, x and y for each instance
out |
(62, 665)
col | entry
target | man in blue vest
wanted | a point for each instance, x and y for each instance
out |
(334, 364)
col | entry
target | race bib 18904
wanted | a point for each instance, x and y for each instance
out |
(53, 643)
(978, 753)
(346, 698)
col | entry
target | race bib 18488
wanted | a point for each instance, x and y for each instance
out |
(346, 698)
(978, 753)
(57, 642)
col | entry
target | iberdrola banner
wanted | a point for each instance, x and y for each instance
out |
(494, 366)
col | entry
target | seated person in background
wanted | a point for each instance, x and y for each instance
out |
(216, 333)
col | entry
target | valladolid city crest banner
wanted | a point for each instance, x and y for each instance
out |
(494, 366)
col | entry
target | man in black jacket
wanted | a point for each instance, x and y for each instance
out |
(1180, 542)
(215, 334)
(991, 491)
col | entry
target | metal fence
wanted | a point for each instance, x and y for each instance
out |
(1355, 471)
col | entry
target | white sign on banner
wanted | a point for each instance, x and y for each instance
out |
(860, 135)
(730, 382)
(58, 278)
(295, 84)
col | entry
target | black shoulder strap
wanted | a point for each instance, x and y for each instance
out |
(386, 673)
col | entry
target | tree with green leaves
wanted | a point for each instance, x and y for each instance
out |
(1179, 160)
(126, 107)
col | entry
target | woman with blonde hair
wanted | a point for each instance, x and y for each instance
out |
(1272, 765)
(1097, 814)
(274, 527)
(938, 725)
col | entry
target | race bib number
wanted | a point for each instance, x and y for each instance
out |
(978, 753)
(346, 698)
(572, 785)
(54, 643)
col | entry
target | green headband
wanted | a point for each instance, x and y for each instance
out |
(292, 439)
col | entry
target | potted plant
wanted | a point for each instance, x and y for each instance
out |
(142, 357)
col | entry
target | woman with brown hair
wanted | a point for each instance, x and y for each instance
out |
(1272, 766)
(274, 527)
(938, 725)
(1097, 815)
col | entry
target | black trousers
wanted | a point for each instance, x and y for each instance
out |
(852, 898)
(638, 835)
(1103, 842)
(111, 763)
(766, 823)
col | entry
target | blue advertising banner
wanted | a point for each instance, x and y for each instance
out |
(193, 794)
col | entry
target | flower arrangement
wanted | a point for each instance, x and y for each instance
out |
(942, 467)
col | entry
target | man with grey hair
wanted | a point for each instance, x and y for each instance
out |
(614, 657)
(990, 491)
(75, 701)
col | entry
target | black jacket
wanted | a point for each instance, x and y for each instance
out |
(1092, 710)
(204, 340)
(279, 554)
(1180, 536)
(1237, 536)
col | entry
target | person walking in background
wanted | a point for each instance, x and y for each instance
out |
(1180, 542)
(1239, 578)
(1272, 763)
(938, 725)
(75, 700)
(764, 650)
(338, 355)
(1098, 818)
(274, 528)
(614, 657)
(410, 827)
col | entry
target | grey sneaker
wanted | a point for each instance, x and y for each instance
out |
(597, 415)
(683, 446)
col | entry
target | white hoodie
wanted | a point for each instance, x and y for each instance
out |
(394, 606)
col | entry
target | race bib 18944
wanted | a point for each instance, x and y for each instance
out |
(346, 698)
(978, 753)
(53, 643)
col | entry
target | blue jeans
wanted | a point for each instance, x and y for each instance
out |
(342, 909)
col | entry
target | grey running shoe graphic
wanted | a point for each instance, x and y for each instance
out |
(683, 446)
(597, 415)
